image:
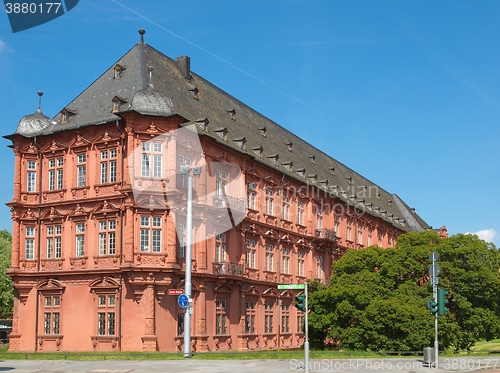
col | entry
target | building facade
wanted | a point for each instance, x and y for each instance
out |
(92, 260)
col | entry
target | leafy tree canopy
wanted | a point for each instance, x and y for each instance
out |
(6, 285)
(377, 298)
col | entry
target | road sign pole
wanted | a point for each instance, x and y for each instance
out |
(187, 285)
(434, 272)
(306, 343)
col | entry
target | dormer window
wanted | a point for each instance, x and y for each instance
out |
(289, 145)
(241, 142)
(66, 115)
(202, 123)
(349, 179)
(324, 183)
(258, 151)
(313, 178)
(274, 158)
(301, 172)
(288, 166)
(222, 133)
(263, 131)
(332, 170)
(118, 103)
(195, 92)
(119, 70)
(232, 114)
(313, 159)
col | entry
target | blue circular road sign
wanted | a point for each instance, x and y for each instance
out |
(182, 300)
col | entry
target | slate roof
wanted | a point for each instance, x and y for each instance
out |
(153, 84)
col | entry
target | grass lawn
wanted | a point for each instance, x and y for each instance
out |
(485, 346)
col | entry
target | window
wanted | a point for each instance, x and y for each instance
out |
(106, 315)
(151, 159)
(300, 213)
(300, 263)
(370, 235)
(268, 317)
(108, 166)
(31, 177)
(30, 243)
(182, 240)
(285, 207)
(319, 267)
(55, 174)
(220, 248)
(250, 317)
(220, 317)
(81, 170)
(51, 315)
(251, 194)
(80, 239)
(250, 254)
(269, 201)
(336, 224)
(300, 322)
(269, 258)
(349, 230)
(220, 183)
(380, 239)
(54, 242)
(183, 161)
(360, 235)
(285, 260)
(107, 237)
(285, 317)
(319, 220)
(150, 233)
(180, 324)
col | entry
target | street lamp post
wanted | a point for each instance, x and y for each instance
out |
(184, 170)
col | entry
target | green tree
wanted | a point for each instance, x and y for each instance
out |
(377, 297)
(6, 285)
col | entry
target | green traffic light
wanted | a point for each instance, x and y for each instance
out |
(442, 302)
(300, 302)
(432, 306)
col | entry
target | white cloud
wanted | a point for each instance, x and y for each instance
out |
(486, 234)
(4, 47)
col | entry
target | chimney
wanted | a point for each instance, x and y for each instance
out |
(184, 65)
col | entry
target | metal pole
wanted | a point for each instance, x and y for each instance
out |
(436, 343)
(187, 285)
(306, 343)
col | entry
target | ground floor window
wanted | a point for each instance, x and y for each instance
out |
(285, 318)
(250, 317)
(300, 322)
(51, 325)
(106, 323)
(268, 317)
(220, 317)
(180, 324)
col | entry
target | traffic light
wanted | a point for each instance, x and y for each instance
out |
(300, 302)
(442, 302)
(432, 306)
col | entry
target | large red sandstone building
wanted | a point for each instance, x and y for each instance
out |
(92, 266)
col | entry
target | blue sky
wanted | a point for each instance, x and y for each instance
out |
(406, 93)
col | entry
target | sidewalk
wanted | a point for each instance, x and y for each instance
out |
(397, 365)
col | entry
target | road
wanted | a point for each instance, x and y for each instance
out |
(483, 364)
